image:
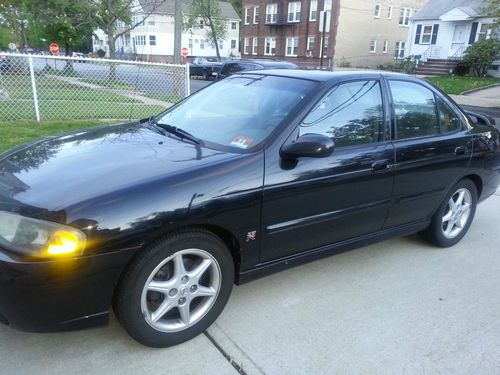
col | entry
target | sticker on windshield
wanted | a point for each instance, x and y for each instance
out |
(241, 142)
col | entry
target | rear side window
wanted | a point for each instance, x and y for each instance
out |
(415, 110)
(448, 119)
(350, 114)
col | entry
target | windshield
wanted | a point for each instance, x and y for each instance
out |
(240, 111)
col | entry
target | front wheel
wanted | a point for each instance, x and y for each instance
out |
(453, 218)
(175, 289)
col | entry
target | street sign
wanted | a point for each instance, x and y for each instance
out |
(54, 48)
(184, 52)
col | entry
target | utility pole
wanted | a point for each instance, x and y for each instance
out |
(178, 31)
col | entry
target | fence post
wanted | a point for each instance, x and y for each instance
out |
(188, 82)
(33, 87)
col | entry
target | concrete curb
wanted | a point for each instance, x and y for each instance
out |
(467, 92)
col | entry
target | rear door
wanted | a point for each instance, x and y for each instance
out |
(433, 147)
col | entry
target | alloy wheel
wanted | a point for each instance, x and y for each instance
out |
(457, 213)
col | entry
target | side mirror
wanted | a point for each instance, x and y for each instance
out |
(309, 145)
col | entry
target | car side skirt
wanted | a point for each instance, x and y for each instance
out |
(268, 268)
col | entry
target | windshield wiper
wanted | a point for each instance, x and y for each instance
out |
(182, 134)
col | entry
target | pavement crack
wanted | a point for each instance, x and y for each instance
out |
(230, 359)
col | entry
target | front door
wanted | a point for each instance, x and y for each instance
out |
(312, 202)
(458, 41)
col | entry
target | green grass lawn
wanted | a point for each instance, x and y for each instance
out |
(59, 100)
(15, 133)
(456, 85)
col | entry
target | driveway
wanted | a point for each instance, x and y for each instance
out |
(396, 307)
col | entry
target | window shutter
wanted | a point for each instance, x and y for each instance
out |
(435, 30)
(473, 32)
(417, 36)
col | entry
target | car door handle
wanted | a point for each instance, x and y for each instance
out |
(460, 150)
(380, 165)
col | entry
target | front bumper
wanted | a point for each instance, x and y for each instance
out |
(58, 295)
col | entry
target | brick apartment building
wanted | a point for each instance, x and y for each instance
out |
(360, 33)
(288, 30)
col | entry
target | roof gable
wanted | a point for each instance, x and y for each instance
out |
(435, 9)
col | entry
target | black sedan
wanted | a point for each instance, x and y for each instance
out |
(254, 174)
(238, 66)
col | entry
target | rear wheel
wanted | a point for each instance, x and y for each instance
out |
(175, 289)
(206, 76)
(454, 217)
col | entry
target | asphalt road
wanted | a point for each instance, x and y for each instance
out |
(397, 307)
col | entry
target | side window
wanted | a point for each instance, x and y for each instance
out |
(448, 119)
(350, 114)
(415, 110)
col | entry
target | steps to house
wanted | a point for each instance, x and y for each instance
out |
(436, 67)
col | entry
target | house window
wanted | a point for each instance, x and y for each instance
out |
(233, 43)
(386, 46)
(202, 43)
(120, 24)
(389, 12)
(247, 16)
(245, 45)
(152, 40)
(399, 50)
(292, 46)
(426, 35)
(138, 20)
(221, 44)
(373, 46)
(233, 25)
(270, 46)
(140, 40)
(201, 23)
(376, 12)
(190, 43)
(271, 13)
(484, 32)
(294, 11)
(151, 21)
(313, 10)
(255, 45)
(404, 17)
(310, 43)
(256, 15)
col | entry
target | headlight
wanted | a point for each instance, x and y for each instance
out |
(39, 238)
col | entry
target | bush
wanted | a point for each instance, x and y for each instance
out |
(408, 65)
(344, 64)
(481, 54)
(462, 69)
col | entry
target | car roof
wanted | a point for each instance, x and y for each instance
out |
(325, 76)
(265, 62)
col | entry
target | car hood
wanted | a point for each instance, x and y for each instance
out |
(57, 172)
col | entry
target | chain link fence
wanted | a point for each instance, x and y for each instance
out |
(44, 88)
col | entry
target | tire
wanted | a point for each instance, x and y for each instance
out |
(206, 77)
(449, 225)
(159, 303)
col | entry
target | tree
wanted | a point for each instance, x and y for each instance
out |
(11, 15)
(492, 9)
(66, 22)
(108, 13)
(210, 13)
(481, 54)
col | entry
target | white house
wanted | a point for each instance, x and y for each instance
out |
(443, 29)
(153, 39)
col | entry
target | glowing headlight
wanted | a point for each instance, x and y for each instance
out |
(39, 238)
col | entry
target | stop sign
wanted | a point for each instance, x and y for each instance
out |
(184, 51)
(54, 48)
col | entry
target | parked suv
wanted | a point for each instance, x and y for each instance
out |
(236, 66)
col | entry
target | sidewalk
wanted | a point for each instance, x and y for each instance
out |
(488, 98)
